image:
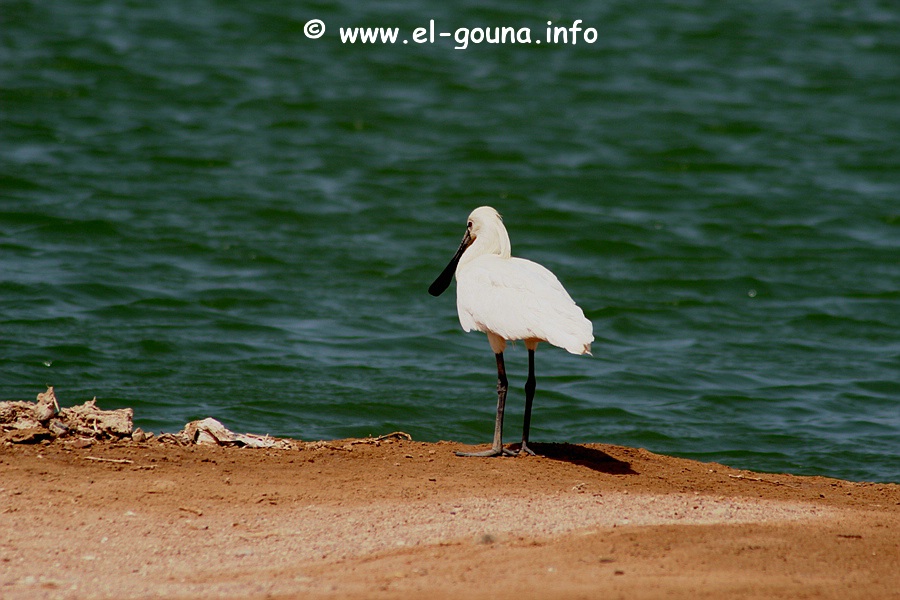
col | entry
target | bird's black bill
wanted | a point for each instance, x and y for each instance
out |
(443, 280)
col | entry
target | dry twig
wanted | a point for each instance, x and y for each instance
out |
(121, 461)
(761, 480)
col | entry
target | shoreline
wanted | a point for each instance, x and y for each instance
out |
(393, 517)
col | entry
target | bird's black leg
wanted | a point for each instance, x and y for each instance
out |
(497, 448)
(530, 386)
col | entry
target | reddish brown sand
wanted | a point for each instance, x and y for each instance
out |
(402, 519)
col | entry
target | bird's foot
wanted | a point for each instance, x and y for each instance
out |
(487, 453)
(524, 449)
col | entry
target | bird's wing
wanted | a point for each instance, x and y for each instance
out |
(519, 299)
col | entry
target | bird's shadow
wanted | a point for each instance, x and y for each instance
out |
(583, 456)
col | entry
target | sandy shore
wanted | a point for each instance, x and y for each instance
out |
(407, 519)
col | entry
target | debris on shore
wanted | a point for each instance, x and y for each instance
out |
(33, 422)
(44, 420)
(211, 431)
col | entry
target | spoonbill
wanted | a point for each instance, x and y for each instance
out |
(510, 299)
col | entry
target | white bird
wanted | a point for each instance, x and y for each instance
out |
(510, 299)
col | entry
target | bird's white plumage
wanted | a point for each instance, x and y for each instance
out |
(514, 298)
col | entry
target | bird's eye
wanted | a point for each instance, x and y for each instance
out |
(469, 225)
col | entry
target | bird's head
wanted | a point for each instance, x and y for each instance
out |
(485, 225)
(486, 234)
(483, 219)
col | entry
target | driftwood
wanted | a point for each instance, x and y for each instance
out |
(29, 422)
(87, 419)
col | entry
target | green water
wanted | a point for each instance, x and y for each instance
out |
(204, 212)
